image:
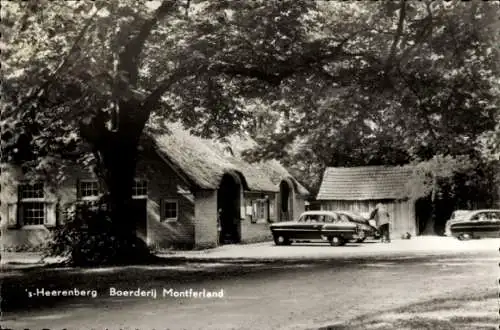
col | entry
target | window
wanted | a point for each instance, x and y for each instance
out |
(486, 216)
(33, 206)
(170, 210)
(88, 189)
(33, 213)
(260, 208)
(31, 191)
(344, 218)
(140, 189)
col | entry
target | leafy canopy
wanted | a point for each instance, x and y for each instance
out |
(337, 83)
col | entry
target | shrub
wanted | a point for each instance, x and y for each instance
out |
(89, 238)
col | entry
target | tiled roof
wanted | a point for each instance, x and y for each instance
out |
(205, 161)
(364, 183)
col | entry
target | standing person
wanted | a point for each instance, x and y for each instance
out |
(381, 217)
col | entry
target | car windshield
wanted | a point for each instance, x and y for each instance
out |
(344, 218)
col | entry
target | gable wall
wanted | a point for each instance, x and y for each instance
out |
(58, 196)
(164, 183)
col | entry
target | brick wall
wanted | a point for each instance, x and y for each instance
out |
(298, 205)
(205, 215)
(61, 196)
(196, 226)
(166, 235)
(255, 232)
(165, 183)
(250, 197)
(258, 232)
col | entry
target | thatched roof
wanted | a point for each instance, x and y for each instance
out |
(365, 183)
(205, 161)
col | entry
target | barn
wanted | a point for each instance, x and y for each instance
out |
(362, 188)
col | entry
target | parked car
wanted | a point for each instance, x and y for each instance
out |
(367, 229)
(455, 217)
(477, 224)
(327, 226)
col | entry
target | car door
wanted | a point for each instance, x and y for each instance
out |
(331, 225)
(488, 224)
(495, 221)
(312, 228)
(317, 225)
(479, 225)
(305, 227)
(336, 224)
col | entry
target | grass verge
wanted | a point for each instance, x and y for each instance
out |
(467, 312)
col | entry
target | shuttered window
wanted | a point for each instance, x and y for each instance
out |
(32, 208)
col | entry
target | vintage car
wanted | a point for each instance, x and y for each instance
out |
(477, 224)
(315, 225)
(367, 230)
(456, 216)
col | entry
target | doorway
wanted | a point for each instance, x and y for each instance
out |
(228, 206)
(286, 206)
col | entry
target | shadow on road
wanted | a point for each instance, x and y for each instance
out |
(17, 284)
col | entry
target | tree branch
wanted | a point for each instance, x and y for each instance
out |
(424, 33)
(152, 100)
(284, 69)
(188, 6)
(128, 66)
(415, 92)
(52, 77)
(397, 36)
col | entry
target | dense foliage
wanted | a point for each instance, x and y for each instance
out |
(331, 83)
(88, 238)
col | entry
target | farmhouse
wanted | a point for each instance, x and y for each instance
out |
(362, 188)
(184, 185)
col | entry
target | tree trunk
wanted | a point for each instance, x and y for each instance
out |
(431, 223)
(118, 159)
(119, 162)
(429, 226)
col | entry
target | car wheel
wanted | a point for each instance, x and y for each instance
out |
(463, 237)
(337, 241)
(360, 240)
(281, 240)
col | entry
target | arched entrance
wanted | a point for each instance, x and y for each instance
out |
(228, 206)
(286, 201)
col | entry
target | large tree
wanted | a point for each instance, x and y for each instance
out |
(83, 79)
(347, 83)
(410, 80)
